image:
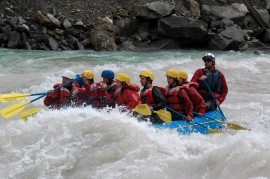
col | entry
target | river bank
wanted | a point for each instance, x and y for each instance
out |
(134, 25)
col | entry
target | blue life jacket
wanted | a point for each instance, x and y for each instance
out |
(213, 80)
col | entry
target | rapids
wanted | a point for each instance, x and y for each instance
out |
(87, 143)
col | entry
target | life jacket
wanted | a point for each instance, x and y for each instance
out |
(172, 98)
(59, 98)
(213, 80)
(93, 99)
(128, 95)
(147, 95)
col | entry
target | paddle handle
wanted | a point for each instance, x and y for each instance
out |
(213, 96)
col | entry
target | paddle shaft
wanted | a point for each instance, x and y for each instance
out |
(108, 89)
(45, 94)
(172, 110)
(213, 96)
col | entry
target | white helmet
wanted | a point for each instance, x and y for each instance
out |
(209, 56)
(69, 74)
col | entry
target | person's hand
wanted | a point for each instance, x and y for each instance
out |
(50, 92)
(202, 78)
(189, 118)
(217, 103)
(200, 114)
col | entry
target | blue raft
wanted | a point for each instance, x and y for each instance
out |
(184, 127)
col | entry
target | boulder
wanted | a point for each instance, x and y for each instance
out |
(67, 24)
(53, 45)
(154, 10)
(182, 27)
(266, 36)
(232, 38)
(78, 24)
(127, 45)
(193, 6)
(103, 35)
(126, 27)
(14, 39)
(47, 20)
(215, 12)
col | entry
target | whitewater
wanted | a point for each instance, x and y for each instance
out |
(87, 143)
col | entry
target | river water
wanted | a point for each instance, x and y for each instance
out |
(86, 143)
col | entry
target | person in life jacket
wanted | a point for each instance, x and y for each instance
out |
(176, 97)
(126, 94)
(80, 91)
(108, 87)
(194, 95)
(152, 95)
(215, 80)
(60, 98)
(94, 95)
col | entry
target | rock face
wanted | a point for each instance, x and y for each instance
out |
(103, 35)
(154, 10)
(133, 25)
(231, 38)
(214, 12)
(182, 27)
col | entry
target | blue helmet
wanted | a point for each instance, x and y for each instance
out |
(107, 74)
(80, 80)
(209, 56)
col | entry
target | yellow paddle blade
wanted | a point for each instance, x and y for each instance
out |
(12, 110)
(233, 126)
(214, 130)
(13, 97)
(164, 115)
(143, 109)
(30, 112)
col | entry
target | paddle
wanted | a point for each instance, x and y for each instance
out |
(210, 129)
(144, 109)
(213, 96)
(13, 97)
(30, 112)
(229, 125)
(16, 108)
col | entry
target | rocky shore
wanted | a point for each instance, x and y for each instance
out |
(134, 25)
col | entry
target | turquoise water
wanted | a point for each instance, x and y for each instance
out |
(86, 143)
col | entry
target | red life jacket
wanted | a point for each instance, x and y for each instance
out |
(195, 97)
(59, 98)
(80, 95)
(172, 98)
(147, 95)
(177, 98)
(128, 96)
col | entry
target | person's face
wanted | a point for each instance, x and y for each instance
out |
(208, 63)
(65, 80)
(118, 83)
(143, 80)
(106, 80)
(170, 80)
(181, 81)
(77, 84)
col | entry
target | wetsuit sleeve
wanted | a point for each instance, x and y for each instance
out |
(224, 89)
(196, 76)
(158, 98)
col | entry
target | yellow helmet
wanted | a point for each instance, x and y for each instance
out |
(123, 77)
(183, 74)
(89, 74)
(173, 73)
(147, 73)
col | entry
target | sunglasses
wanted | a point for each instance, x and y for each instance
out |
(207, 60)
